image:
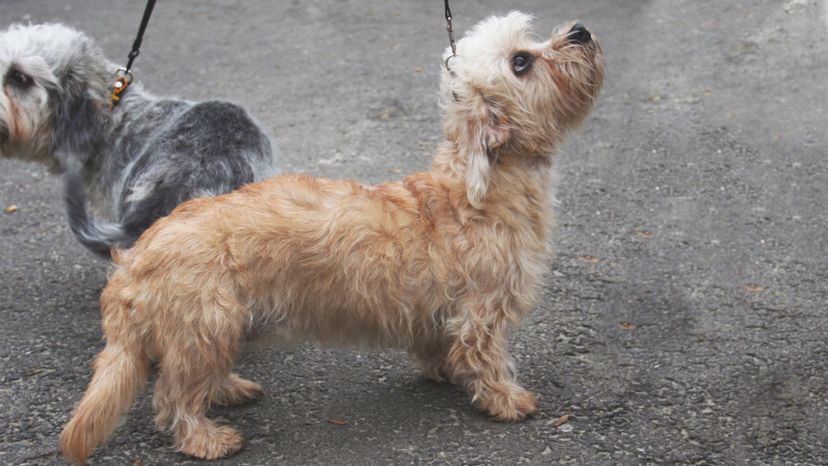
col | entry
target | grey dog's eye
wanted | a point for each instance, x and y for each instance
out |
(521, 63)
(20, 79)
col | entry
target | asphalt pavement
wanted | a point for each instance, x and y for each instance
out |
(684, 317)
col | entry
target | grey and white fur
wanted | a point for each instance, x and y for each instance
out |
(137, 160)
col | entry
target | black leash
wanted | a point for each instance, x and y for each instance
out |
(450, 29)
(136, 46)
(123, 76)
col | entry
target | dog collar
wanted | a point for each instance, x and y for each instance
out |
(122, 80)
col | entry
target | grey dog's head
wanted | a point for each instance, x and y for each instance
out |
(54, 84)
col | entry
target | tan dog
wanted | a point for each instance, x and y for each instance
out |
(442, 263)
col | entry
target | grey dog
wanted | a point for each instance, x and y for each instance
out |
(138, 159)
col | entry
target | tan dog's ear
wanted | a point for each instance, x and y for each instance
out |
(486, 130)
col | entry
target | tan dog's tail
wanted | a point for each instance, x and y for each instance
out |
(120, 370)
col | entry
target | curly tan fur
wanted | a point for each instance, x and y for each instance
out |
(443, 263)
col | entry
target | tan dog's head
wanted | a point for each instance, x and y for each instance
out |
(506, 93)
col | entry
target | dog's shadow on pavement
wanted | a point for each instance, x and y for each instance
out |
(347, 404)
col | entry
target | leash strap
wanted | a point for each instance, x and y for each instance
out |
(450, 29)
(136, 46)
(123, 77)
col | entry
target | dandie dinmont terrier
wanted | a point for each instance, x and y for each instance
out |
(138, 159)
(443, 263)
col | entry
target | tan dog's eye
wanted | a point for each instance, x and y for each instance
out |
(521, 63)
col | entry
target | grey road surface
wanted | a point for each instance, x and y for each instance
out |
(684, 318)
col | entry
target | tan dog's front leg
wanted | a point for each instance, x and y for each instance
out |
(479, 359)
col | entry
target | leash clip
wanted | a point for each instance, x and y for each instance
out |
(448, 67)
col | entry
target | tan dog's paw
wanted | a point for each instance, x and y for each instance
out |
(211, 442)
(509, 403)
(236, 391)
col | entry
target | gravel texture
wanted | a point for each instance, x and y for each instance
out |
(684, 317)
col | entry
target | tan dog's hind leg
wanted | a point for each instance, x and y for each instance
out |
(479, 359)
(195, 370)
(182, 395)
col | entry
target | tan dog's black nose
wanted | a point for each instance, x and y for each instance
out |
(579, 35)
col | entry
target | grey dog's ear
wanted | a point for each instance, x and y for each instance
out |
(79, 123)
(487, 130)
(81, 114)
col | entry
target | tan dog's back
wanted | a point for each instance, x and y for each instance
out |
(306, 258)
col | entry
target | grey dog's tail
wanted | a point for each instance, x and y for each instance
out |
(96, 236)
